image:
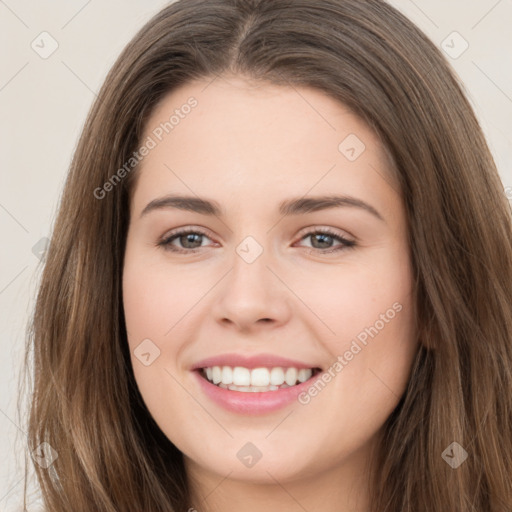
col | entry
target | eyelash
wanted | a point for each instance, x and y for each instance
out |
(165, 243)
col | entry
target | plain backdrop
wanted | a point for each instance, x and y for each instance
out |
(44, 100)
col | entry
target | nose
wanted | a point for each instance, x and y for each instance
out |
(252, 296)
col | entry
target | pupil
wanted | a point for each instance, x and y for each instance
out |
(323, 240)
(190, 239)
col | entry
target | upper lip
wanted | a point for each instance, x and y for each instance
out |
(253, 361)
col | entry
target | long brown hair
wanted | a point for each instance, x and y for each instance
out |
(111, 455)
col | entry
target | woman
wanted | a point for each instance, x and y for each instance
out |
(280, 275)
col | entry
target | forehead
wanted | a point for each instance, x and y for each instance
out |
(247, 139)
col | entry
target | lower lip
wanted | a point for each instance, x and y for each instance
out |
(252, 402)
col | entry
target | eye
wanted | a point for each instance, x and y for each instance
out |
(322, 240)
(189, 240)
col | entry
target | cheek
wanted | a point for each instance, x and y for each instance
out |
(151, 310)
(145, 305)
(369, 310)
(356, 297)
(155, 298)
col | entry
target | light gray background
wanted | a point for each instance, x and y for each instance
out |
(44, 102)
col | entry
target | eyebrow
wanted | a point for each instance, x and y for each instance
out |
(294, 206)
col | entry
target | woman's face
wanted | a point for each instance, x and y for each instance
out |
(296, 258)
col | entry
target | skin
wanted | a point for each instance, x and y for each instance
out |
(250, 145)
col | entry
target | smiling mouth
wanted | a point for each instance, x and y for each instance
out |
(256, 380)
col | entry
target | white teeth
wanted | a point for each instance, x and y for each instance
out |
(260, 377)
(227, 375)
(241, 376)
(290, 376)
(216, 374)
(276, 376)
(252, 389)
(257, 379)
(304, 374)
